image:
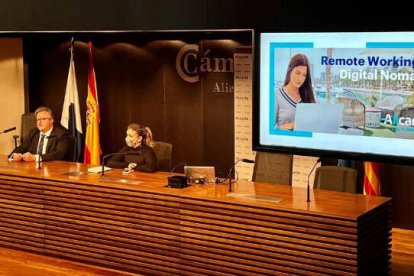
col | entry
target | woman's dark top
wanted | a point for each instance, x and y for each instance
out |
(143, 156)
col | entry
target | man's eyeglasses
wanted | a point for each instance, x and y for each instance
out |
(42, 119)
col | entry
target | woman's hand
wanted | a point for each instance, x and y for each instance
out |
(131, 166)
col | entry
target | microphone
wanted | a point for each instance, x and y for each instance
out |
(175, 167)
(308, 188)
(109, 155)
(7, 130)
(232, 168)
(247, 161)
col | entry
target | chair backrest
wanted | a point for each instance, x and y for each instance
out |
(334, 178)
(28, 122)
(163, 151)
(273, 168)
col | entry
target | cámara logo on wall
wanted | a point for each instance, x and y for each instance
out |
(190, 63)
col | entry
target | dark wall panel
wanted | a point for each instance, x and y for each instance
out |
(53, 15)
(174, 15)
(110, 15)
(130, 87)
(14, 15)
(218, 102)
(277, 15)
(184, 117)
(233, 14)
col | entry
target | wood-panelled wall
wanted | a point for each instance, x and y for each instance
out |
(137, 81)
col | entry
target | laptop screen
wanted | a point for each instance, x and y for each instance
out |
(201, 172)
(318, 117)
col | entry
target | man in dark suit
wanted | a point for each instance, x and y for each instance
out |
(47, 141)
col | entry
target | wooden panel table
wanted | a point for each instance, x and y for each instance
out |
(134, 223)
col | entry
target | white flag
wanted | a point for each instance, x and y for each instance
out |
(71, 118)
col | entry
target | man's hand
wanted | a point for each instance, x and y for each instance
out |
(16, 157)
(29, 157)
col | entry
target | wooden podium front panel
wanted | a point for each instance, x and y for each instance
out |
(21, 213)
(237, 236)
(146, 228)
(374, 241)
(118, 228)
(243, 241)
(238, 240)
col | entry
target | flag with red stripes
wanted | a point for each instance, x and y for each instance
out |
(92, 151)
(371, 179)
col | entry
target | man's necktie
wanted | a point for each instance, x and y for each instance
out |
(40, 146)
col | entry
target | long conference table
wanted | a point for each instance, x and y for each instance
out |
(135, 223)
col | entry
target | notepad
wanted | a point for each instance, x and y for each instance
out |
(98, 169)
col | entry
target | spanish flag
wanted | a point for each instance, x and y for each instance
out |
(92, 151)
(371, 179)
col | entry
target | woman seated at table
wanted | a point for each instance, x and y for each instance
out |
(138, 153)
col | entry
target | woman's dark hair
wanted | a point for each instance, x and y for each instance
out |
(305, 91)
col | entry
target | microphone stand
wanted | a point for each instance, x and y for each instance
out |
(39, 162)
(232, 168)
(109, 155)
(308, 188)
(15, 137)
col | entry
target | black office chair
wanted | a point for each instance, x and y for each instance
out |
(28, 122)
(334, 178)
(273, 168)
(163, 151)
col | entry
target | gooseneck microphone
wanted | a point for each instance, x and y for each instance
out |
(7, 130)
(178, 165)
(308, 188)
(109, 155)
(232, 168)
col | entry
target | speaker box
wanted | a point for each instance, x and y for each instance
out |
(177, 181)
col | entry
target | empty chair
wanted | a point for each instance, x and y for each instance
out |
(334, 178)
(273, 168)
(163, 151)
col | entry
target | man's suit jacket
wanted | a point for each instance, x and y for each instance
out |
(57, 146)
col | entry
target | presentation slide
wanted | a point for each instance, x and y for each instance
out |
(351, 93)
